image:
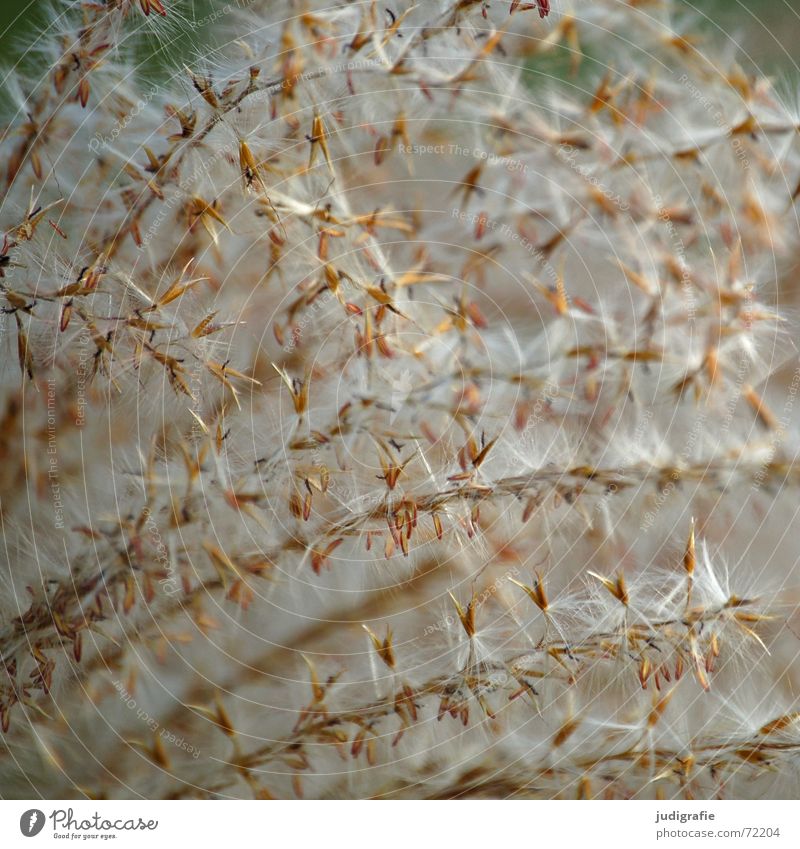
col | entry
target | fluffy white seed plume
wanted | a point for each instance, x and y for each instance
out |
(380, 418)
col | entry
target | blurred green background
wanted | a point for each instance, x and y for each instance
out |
(174, 40)
(767, 30)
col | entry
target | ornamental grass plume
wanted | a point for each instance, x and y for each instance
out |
(382, 417)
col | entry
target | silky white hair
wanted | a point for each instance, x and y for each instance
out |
(385, 417)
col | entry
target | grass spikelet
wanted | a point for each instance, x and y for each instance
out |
(354, 374)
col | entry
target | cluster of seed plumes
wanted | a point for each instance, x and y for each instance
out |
(384, 416)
